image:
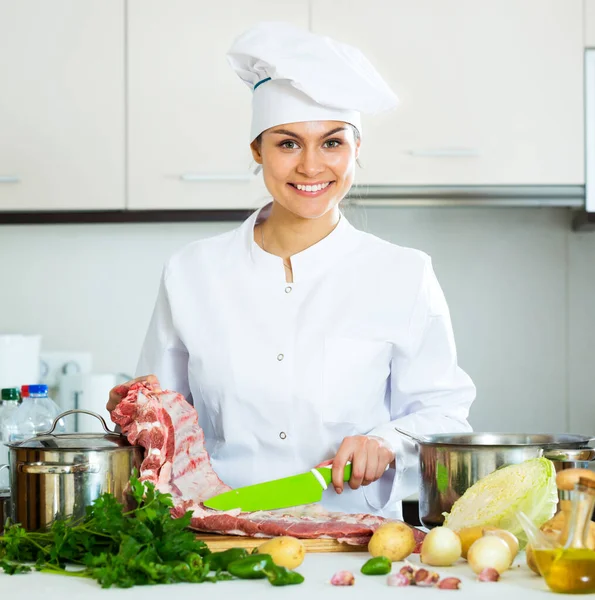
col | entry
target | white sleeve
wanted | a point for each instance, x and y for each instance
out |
(429, 392)
(163, 353)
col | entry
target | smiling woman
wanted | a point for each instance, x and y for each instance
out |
(313, 160)
(298, 338)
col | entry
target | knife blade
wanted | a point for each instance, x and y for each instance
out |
(296, 490)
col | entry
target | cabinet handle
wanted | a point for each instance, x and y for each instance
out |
(9, 179)
(216, 177)
(445, 152)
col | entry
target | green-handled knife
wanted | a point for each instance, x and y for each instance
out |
(279, 493)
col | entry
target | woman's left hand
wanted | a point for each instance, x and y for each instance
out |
(369, 456)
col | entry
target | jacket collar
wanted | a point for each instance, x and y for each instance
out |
(306, 264)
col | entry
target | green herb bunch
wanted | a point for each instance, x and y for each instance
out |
(140, 547)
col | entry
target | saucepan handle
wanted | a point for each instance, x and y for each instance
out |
(570, 455)
(418, 439)
(78, 410)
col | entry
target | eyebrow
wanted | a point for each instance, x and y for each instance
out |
(295, 135)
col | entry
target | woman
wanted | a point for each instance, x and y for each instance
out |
(297, 337)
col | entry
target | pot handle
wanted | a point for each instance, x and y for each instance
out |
(78, 410)
(40, 468)
(570, 455)
(418, 439)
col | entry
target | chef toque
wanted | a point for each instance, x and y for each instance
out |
(299, 76)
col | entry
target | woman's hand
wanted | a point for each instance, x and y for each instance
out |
(369, 456)
(117, 393)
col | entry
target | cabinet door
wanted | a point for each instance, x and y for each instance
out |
(189, 113)
(590, 23)
(61, 105)
(490, 91)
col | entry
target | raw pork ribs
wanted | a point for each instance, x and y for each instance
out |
(177, 462)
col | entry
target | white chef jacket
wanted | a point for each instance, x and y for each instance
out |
(280, 373)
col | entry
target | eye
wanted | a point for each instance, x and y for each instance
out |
(288, 145)
(332, 143)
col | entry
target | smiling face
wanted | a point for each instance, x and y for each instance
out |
(308, 167)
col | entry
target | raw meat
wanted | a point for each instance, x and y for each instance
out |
(177, 462)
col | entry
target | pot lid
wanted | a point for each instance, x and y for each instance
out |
(491, 439)
(76, 441)
(48, 440)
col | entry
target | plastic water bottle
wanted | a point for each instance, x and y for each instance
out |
(35, 414)
(9, 403)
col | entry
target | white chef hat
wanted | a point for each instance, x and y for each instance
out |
(300, 76)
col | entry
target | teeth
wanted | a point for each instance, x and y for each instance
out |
(312, 188)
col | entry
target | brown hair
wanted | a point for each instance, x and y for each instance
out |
(258, 139)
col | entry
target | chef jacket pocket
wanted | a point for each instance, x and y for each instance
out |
(355, 374)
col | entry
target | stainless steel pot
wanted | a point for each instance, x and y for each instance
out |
(56, 476)
(4, 503)
(451, 463)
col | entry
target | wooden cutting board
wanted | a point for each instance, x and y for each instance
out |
(217, 542)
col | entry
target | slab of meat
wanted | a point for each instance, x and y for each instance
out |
(177, 462)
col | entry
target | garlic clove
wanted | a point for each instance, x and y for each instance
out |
(398, 580)
(450, 583)
(343, 578)
(488, 574)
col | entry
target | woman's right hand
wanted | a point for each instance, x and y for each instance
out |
(119, 392)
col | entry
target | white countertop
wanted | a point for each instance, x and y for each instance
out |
(518, 582)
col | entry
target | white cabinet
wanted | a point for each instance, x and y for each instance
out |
(590, 23)
(189, 114)
(491, 92)
(61, 105)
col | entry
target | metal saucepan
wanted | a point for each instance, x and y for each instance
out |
(4, 503)
(56, 476)
(451, 463)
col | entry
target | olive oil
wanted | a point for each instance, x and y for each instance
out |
(570, 569)
(567, 570)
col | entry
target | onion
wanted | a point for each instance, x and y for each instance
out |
(489, 551)
(441, 547)
(509, 538)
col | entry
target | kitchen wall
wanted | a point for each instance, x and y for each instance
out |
(520, 285)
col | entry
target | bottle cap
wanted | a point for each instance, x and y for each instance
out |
(10, 394)
(27, 390)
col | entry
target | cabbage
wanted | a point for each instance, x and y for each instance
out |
(495, 499)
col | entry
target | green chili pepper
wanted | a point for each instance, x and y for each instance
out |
(283, 576)
(379, 565)
(219, 561)
(261, 566)
(253, 566)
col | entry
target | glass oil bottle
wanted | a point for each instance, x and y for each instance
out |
(570, 569)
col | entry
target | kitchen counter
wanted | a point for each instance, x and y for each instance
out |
(518, 582)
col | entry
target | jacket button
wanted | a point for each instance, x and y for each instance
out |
(288, 289)
(280, 357)
(282, 435)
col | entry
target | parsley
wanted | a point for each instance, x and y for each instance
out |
(143, 546)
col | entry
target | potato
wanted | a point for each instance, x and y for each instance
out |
(393, 540)
(285, 551)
